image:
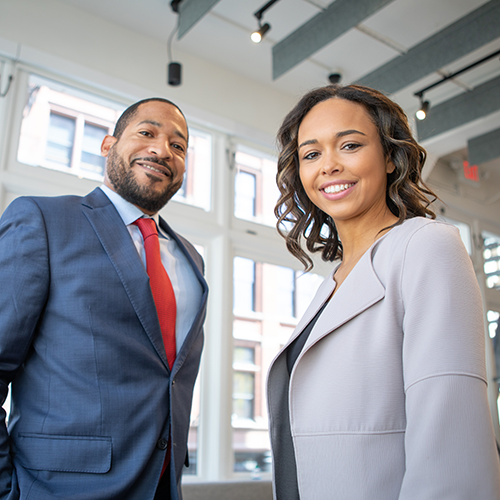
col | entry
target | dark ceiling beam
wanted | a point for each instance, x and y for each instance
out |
(457, 40)
(466, 107)
(339, 17)
(484, 147)
(190, 12)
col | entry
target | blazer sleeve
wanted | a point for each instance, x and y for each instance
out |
(449, 443)
(24, 282)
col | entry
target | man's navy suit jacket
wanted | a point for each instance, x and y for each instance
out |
(92, 394)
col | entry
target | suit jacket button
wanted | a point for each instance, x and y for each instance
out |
(162, 443)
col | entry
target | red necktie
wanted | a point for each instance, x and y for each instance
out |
(161, 287)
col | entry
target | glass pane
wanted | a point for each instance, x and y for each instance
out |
(279, 294)
(245, 192)
(255, 187)
(491, 256)
(55, 133)
(244, 282)
(286, 290)
(306, 285)
(60, 137)
(92, 160)
(196, 188)
(244, 355)
(493, 323)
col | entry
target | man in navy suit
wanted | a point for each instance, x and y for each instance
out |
(97, 413)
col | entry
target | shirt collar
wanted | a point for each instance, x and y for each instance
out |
(128, 212)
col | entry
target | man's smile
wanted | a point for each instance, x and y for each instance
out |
(158, 166)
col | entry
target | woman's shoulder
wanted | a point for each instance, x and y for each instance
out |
(426, 232)
(421, 242)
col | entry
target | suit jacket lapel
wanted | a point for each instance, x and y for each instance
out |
(198, 321)
(118, 244)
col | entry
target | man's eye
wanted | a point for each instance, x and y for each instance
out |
(179, 147)
(145, 133)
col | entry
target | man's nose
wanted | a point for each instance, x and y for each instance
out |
(160, 148)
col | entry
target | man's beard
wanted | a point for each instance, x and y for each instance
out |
(123, 180)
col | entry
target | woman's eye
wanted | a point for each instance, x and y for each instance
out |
(351, 146)
(310, 156)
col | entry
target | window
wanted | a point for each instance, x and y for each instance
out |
(491, 255)
(255, 191)
(60, 140)
(245, 195)
(63, 127)
(268, 300)
(196, 187)
(285, 290)
(244, 284)
(492, 317)
(91, 159)
(243, 395)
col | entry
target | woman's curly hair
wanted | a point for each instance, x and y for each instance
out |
(406, 195)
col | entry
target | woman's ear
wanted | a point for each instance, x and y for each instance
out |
(389, 166)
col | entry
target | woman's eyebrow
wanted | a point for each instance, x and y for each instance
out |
(342, 133)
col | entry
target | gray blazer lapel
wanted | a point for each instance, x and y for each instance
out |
(120, 248)
(359, 291)
(324, 291)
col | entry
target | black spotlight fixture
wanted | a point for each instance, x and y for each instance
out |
(334, 78)
(174, 74)
(174, 69)
(424, 108)
(259, 34)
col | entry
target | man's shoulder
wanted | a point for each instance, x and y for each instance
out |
(64, 202)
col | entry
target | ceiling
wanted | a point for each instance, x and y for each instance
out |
(406, 38)
(223, 37)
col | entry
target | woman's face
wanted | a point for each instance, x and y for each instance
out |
(342, 164)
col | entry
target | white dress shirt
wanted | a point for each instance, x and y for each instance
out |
(186, 286)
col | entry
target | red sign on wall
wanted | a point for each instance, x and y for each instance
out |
(471, 172)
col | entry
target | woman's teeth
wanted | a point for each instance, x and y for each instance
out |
(337, 188)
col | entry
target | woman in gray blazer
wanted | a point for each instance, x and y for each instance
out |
(380, 394)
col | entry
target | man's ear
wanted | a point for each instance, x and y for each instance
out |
(107, 142)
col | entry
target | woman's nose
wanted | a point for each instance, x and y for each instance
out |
(331, 164)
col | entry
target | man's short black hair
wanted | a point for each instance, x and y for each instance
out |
(131, 111)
